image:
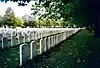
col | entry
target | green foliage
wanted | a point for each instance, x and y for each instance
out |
(29, 21)
(1, 21)
(18, 22)
(9, 17)
(55, 10)
(80, 16)
(47, 22)
(70, 10)
(32, 23)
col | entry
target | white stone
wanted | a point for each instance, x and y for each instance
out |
(54, 40)
(24, 53)
(28, 37)
(13, 41)
(25, 37)
(33, 49)
(49, 43)
(52, 44)
(45, 44)
(20, 38)
(41, 45)
(33, 36)
(1, 37)
(57, 38)
(4, 42)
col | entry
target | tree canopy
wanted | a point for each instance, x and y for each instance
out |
(81, 12)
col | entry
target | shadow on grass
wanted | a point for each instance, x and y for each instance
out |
(93, 47)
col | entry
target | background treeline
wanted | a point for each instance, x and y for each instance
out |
(49, 14)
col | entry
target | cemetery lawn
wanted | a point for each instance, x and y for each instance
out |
(79, 51)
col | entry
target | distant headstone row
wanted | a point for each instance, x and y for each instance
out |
(48, 38)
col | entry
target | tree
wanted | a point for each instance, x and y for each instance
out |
(1, 21)
(94, 15)
(18, 22)
(84, 12)
(9, 17)
(29, 21)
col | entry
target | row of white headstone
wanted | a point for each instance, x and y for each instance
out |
(49, 37)
(26, 35)
(29, 51)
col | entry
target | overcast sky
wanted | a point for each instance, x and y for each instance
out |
(19, 10)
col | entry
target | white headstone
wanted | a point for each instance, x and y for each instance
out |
(1, 37)
(25, 37)
(31, 35)
(4, 42)
(24, 53)
(41, 46)
(28, 37)
(52, 41)
(45, 44)
(55, 39)
(48, 42)
(20, 40)
(33, 49)
(13, 40)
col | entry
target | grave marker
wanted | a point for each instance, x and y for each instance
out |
(45, 44)
(4, 42)
(24, 53)
(41, 45)
(48, 42)
(19, 38)
(13, 40)
(33, 49)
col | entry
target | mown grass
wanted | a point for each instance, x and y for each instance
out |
(80, 51)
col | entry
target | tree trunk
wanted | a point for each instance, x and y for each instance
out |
(87, 27)
(97, 26)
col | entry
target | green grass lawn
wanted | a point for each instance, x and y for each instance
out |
(80, 51)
